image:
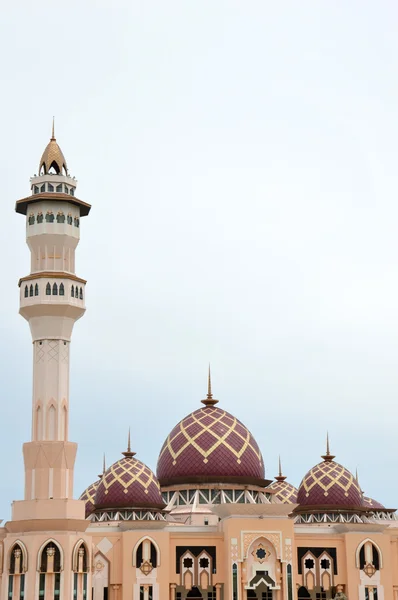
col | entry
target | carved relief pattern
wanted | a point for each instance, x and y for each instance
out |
(39, 353)
(274, 538)
(53, 350)
(65, 354)
(288, 552)
(234, 550)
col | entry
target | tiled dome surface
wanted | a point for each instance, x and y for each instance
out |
(329, 484)
(210, 443)
(285, 492)
(370, 503)
(128, 483)
(88, 497)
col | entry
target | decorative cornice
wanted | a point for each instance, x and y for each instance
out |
(21, 206)
(52, 275)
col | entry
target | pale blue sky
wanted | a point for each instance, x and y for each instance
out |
(241, 160)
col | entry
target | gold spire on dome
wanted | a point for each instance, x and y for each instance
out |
(128, 453)
(53, 157)
(100, 476)
(328, 457)
(280, 476)
(209, 400)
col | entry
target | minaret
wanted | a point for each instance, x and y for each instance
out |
(52, 298)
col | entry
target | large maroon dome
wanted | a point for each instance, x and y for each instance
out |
(329, 484)
(210, 445)
(128, 483)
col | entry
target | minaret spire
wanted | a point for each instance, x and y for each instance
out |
(328, 457)
(209, 400)
(53, 130)
(280, 476)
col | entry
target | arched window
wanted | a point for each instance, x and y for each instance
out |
(31, 290)
(50, 217)
(80, 569)
(43, 188)
(55, 289)
(36, 289)
(81, 294)
(16, 572)
(48, 289)
(76, 221)
(59, 188)
(72, 192)
(26, 291)
(72, 291)
(369, 558)
(50, 570)
(289, 582)
(146, 556)
(69, 219)
(31, 219)
(61, 289)
(40, 217)
(50, 187)
(60, 217)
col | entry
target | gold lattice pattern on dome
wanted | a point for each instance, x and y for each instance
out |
(334, 474)
(284, 491)
(136, 472)
(217, 416)
(89, 494)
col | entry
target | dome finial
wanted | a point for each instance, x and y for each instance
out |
(280, 476)
(100, 476)
(128, 453)
(53, 130)
(209, 400)
(328, 457)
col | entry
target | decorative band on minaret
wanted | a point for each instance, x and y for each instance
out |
(52, 298)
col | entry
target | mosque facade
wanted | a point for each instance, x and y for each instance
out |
(207, 525)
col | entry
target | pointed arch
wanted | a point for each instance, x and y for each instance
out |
(48, 289)
(26, 291)
(24, 551)
(43, 546)
(39, 423)
(359, 548)
(75, 556)
(138, 544)
(52, 422)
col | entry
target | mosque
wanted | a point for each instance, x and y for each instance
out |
(208, 525)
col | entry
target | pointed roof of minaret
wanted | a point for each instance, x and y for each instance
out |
(280, 476)
(328, 457)
(209, 400)
(128, 453)
(53, 157)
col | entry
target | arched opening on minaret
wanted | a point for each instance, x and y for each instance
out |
(16, 571)
(50, 561)
(80, 565)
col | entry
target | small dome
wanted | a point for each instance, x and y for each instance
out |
(53, 158)
(284, 491)
(210, 445)
(128, 483)
(88, 497)
(370, 503)
(329, 484)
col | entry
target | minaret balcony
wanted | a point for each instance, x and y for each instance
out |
(52, 294)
